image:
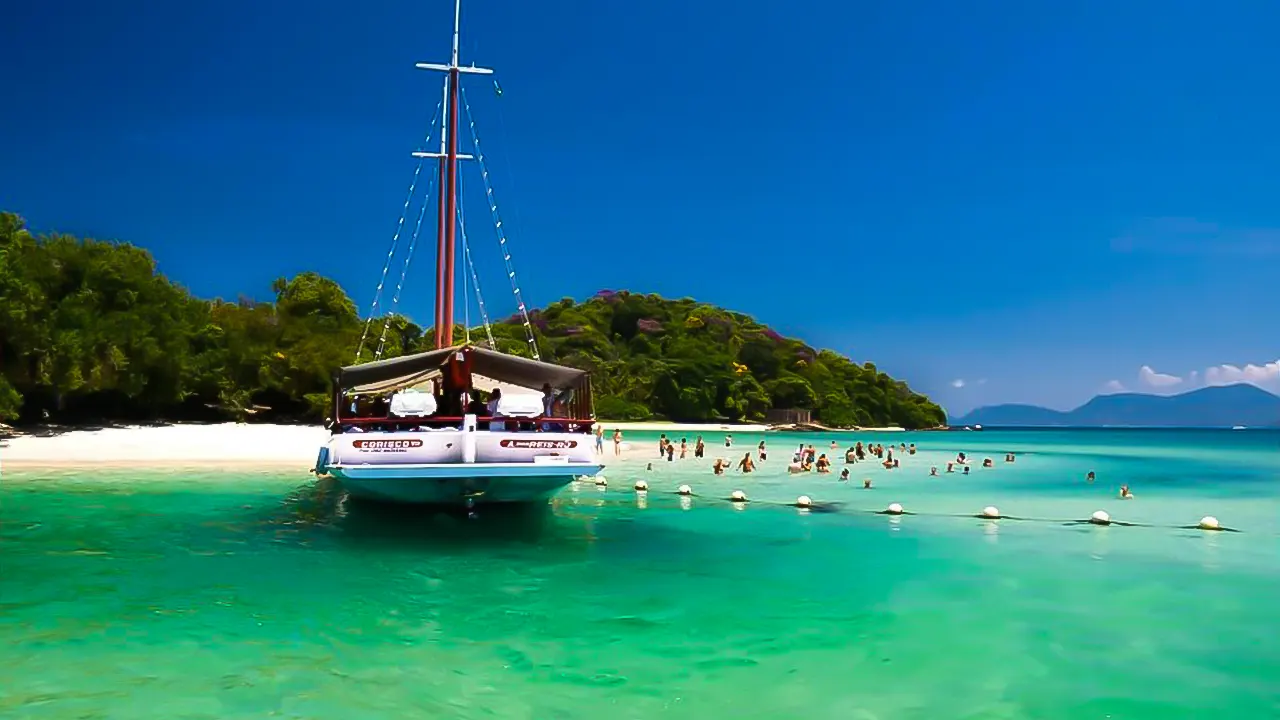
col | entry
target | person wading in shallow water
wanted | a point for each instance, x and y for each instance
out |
(699, 448)
(745, 465)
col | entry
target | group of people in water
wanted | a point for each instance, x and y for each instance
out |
(807, 458)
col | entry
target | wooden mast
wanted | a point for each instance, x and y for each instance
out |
(451, 218)
(447, 212)
(440, 228)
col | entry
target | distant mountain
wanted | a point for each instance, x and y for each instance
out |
(1222, 406)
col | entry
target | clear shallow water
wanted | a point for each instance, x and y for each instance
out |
(131, 595)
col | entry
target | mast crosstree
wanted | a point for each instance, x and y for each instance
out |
(447, 226)
(449, 217)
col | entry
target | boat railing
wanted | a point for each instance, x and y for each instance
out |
(484, 422)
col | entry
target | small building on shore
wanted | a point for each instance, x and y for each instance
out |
(789, 416)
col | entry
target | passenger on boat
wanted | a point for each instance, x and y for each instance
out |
(548, 400)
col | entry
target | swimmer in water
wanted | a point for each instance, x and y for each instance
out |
(824, 465)
(745, 465)
(728, 441)
(760, 449)
(844, 475)
(1090, 477)
(866, 483)
(966, 469)
(684, 447)
(699, 448)
(1124, 493)
(951, 467)
(933, 471)
(719, 467)
(911, 450)
(1008, 457)
(988, 462)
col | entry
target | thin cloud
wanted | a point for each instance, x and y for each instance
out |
(1154, 379)
(1113, 386)
(1265, 375)
(1189, 236)
(958, 383)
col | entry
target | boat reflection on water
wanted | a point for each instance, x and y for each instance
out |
(322, 509)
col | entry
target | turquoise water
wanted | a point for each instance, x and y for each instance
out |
(148, 594)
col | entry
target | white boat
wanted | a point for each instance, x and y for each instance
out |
(410, 449)
(413, 429)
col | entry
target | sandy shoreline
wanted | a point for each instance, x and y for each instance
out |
(252, 446)
(169, 446)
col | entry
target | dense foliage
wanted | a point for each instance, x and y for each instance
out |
(89, 331)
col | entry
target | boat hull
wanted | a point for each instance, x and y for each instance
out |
(462, 485)
(457, 467)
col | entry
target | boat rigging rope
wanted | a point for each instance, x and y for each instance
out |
(395, 238)
(475, 281)
(404, 270)
(502, 237)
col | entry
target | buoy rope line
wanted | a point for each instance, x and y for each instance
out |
(804, 502)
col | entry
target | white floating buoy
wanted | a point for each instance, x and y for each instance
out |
(1100, 518)
(684, 490)
(804, 501)
(641, 486)
(991, 511)
(738, 496)
(894, 509)
(1209, 522)
(601, 481)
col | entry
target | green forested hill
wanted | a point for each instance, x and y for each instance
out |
(89, 331)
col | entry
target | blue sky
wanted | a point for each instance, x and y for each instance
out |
(1035, 199)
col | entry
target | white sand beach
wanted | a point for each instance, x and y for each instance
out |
(225, 444)
(261, 445)
(182, 445)
(659, 427)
